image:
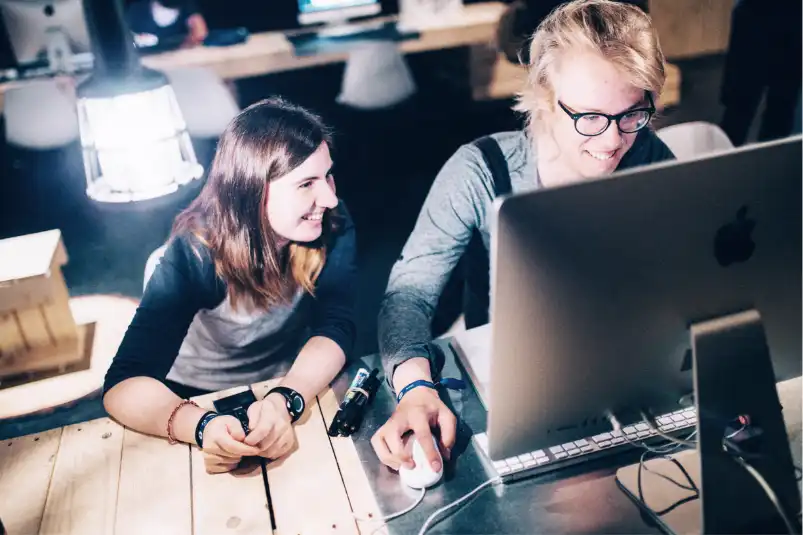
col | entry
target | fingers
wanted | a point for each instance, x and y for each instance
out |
(216, 464)
(448, 426)
(262, 422)
(423, 434)
(401, 455)
(382, 451)
(227, 443)
(281, 446)
(235, 429)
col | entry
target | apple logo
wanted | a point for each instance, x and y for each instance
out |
(733, 242)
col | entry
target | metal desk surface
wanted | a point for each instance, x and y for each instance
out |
(579, 499)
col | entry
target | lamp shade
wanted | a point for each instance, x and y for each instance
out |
(134, 139)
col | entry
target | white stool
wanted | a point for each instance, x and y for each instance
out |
(376, 77)
(40, 114)
(206, 103)
(689, 140)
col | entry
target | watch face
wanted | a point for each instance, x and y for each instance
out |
(297, 402)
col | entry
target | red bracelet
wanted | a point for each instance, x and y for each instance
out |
(171, 438)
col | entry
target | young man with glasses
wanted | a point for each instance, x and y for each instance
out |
(595, 70)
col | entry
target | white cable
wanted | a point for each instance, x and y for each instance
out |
(431, 518)
(384, 519)
(769, 492)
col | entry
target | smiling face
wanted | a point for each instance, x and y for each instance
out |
(298, 200)
(586, 82)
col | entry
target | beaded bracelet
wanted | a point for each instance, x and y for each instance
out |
(171, 438)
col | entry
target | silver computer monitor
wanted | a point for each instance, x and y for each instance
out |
(36, 27)
(594, 287)
(334, 12)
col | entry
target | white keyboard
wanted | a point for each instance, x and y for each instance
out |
(559, 456)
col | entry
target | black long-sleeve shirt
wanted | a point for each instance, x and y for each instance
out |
(186, 330)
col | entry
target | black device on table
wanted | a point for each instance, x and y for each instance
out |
(315, 41)
(237, 405)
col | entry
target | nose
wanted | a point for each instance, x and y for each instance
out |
(612, 136)
(326, 196)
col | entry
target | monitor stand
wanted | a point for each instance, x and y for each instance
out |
(733, 376)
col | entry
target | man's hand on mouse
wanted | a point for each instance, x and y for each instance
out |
(419, 411)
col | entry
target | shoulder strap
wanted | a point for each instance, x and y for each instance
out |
(496, 162)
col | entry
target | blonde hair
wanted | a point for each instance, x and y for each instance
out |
(621, 33)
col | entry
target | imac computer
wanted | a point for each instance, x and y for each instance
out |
(47, 35)
(337, 35)
(335, 13)
(666, 297)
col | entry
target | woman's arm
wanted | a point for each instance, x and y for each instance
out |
(333, 327)
(324, 354)
(183, 283)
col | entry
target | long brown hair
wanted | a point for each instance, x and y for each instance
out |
(265, 141)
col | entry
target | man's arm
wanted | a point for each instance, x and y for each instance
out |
(455, 206)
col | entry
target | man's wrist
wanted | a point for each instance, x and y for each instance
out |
(414, 369)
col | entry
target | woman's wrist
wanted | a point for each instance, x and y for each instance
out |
(185, 422)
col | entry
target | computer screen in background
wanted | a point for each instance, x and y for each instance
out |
(334, 12)
(46, 32)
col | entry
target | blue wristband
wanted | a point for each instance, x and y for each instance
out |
(199, 429)
(448, 382)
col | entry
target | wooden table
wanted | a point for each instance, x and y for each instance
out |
(98, 477)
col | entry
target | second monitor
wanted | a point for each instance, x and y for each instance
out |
(335, 13)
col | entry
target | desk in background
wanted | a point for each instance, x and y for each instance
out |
(491, 75)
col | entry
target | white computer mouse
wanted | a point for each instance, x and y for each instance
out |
(422, 476)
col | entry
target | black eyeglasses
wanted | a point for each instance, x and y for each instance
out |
(594, 123)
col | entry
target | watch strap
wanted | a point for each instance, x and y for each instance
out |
(289, 394)
(202, 423)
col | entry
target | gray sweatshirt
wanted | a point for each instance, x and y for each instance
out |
(459, 201)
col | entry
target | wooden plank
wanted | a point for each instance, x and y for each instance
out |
(34, 329)
(104, 320)
(26, 466)
(57, 310)
(24, 293)
(155, 493)
(11, 340)
(83, 492)
(43, 358)
(309, 475)
(361, 495)
(231, 503)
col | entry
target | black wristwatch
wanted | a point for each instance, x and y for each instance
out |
(293, 400)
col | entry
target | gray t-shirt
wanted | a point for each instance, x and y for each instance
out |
(460, 201)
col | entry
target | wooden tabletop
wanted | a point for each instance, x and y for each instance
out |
(98, 477)
(270, 52)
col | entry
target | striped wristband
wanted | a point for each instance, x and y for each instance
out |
(448, 382)
(199, 429)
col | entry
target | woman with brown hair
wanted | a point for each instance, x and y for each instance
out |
(257, 282)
